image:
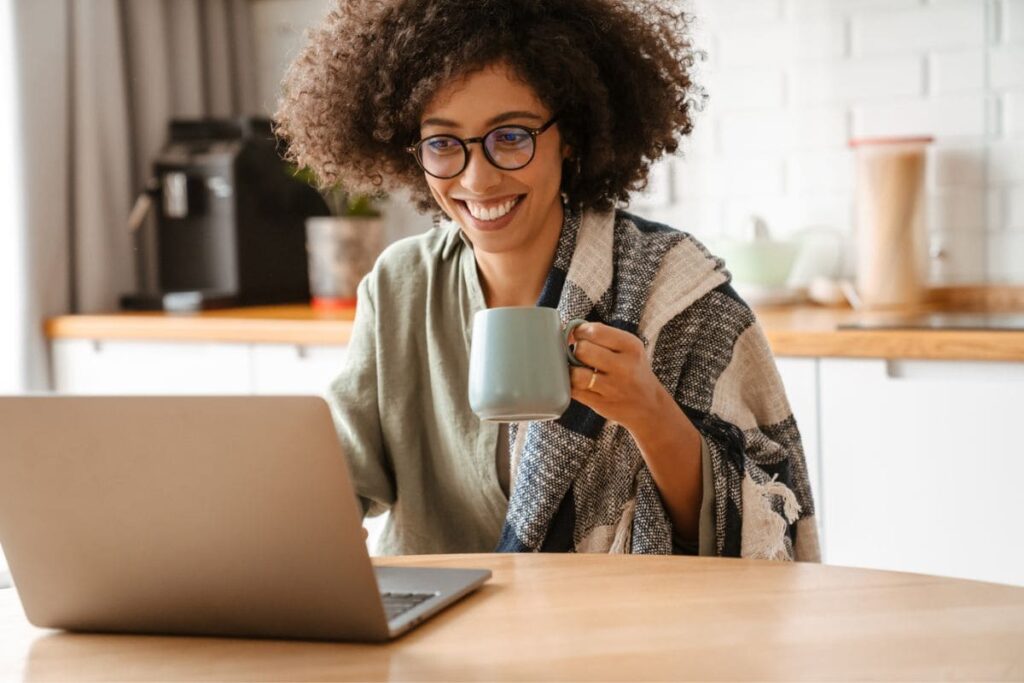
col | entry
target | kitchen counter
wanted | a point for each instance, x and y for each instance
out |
(816, 331)
(283, 324)
(792, 330)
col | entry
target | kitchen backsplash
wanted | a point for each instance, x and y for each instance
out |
(791, 81)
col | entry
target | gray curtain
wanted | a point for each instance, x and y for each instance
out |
(98, 81)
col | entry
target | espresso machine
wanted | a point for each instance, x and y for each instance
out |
(227, 220)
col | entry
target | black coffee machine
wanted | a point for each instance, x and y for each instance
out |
(229, 225)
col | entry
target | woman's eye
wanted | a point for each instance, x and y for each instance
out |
(511, 138)
(442, 146)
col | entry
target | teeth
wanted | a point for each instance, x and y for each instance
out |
(490, 213)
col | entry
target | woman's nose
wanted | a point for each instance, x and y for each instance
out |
(480, 175)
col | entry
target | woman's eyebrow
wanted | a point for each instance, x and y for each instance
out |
(500, 118)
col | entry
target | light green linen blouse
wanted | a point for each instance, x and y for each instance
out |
(401, 405)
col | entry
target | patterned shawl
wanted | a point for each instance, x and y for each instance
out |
(580, 483)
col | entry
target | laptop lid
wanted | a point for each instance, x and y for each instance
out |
(195, 515)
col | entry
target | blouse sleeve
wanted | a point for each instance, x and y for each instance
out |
(705, 544)
(353, 399)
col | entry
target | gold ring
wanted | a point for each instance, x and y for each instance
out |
(593, 378)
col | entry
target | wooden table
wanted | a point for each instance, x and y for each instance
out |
(569, 617)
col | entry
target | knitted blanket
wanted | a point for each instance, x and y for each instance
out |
(580, 483)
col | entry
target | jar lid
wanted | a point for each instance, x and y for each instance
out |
(910, 140)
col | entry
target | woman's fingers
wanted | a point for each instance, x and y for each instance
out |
(608, 337)
(595, 356)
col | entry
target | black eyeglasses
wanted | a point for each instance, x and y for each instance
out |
(506, 147)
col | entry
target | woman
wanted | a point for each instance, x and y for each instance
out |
(525, 122)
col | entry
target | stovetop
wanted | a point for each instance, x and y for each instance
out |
(940, 321)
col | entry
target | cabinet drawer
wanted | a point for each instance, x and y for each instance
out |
(85, 366)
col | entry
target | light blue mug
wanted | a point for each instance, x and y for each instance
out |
(519, 364)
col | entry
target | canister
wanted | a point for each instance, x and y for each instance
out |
(891, 235)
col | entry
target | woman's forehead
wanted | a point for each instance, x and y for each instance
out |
(482, 97)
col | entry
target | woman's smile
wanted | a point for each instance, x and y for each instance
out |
(491, 214)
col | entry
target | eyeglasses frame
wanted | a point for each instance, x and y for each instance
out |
(465, 143)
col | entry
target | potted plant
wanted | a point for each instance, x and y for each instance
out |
(342, 246)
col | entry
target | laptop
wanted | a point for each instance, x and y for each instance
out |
(224, 516)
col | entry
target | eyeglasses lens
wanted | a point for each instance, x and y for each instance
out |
(509, 148)
(442, 156)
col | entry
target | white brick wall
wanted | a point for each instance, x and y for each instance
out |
(790, 81)
(729, 11)
(1013, 113)
(1006, 65)
(864, 79)
(1013, 20)
(1014, 208)
(1006, 163)
(943, 117)
(956, 72)
(916, 30)
(1005, 254)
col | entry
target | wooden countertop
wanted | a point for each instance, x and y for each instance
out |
(813, 331)
(798, 330)
(286, 324)
(549, 616)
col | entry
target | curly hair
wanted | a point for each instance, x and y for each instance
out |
(617, 72)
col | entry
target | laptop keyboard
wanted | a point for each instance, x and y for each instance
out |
(397, 603)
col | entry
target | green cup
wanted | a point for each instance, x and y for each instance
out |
(519, 364)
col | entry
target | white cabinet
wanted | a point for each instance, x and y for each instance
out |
(922, 464)
(83, 366)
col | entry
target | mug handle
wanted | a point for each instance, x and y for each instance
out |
(569, 327)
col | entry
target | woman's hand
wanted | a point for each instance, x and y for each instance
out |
(619, 384)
